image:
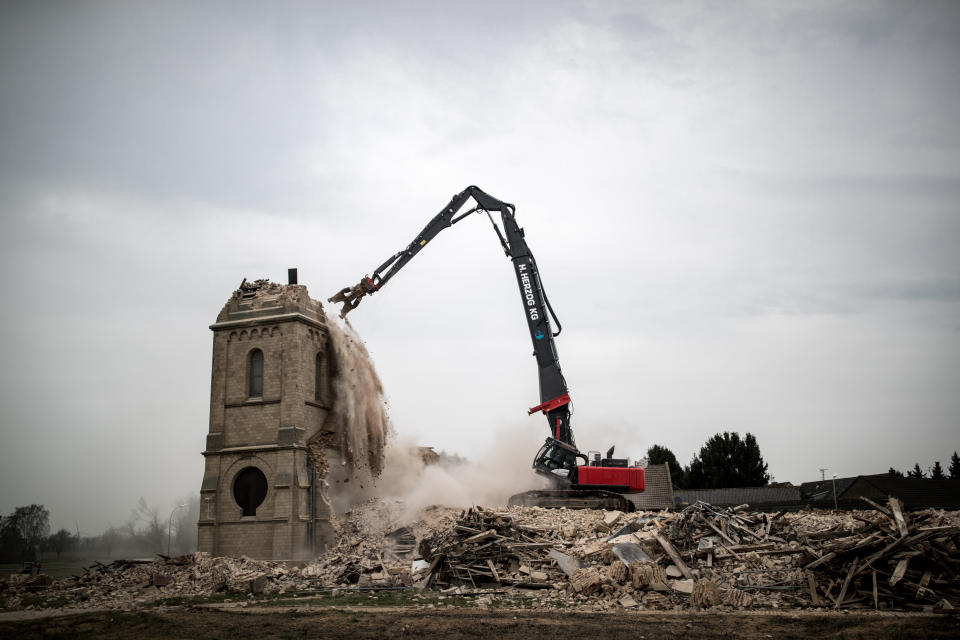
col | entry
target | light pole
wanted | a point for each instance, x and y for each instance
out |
(170, 523)
(834, 492)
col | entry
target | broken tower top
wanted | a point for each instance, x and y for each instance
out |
(262, 298)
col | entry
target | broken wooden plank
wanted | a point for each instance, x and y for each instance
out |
(867, 521)
(745, 530)
(431, 572)
(829, 591)
(493, 570)
(924, 581)
(897, 508)
(821, 560)
(846, 584)
(486, 535)
(878, 507)
(719, 532)
(781, 552)
(466, 529)
(899, 571)
(684, 569)
(760, 548)
(876, 603)
(812, 586)
(868, 540)
(893, 545)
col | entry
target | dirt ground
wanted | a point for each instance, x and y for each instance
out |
(407, 622)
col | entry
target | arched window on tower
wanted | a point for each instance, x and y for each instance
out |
(255, 376)
(317, 379)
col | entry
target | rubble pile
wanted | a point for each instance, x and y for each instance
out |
(833, 560)
(375, 548)
(704, 557)
(701, 557)
(128, 584)
(905, 560)
(486, 546)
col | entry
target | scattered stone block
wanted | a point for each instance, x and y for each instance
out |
(705, 594)
(682, 586)
(648, 575)
(587, 581)
(610, 517)
(628, 602)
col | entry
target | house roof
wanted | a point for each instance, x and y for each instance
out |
(743, 495)
(916, 493)
(823, 489)
(658, 489)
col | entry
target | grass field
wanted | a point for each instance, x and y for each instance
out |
(55, 568)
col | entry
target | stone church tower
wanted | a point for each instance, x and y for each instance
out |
(269, 396)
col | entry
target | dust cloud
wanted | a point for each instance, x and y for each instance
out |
(359, 411)
(365, 459)
(489, 479)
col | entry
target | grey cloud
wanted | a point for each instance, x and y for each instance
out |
(943, 188)
(736, 208)
(941, 289)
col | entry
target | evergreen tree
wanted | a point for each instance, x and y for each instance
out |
(955, 466)
(727, 461)
(660, 455)
(917, 471)
(937, 472)
(893, 472)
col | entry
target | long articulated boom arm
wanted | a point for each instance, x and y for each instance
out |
(554, 396)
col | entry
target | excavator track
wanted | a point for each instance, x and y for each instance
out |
(572, 499)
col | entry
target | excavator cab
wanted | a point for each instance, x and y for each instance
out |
(562, 464)
(558, 461)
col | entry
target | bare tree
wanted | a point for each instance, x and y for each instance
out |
(153, 533)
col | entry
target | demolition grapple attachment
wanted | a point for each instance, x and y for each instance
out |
(351, 296)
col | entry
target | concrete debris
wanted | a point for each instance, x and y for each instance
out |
(568, 564)
(701, 557)
(738, 599)
(705, 594)
(618, 573)
(682, 586)
(657, 601)
(129, 584)
(648, 575)
(629, 552)
(587, 581)
(628, 602)
(610, 518)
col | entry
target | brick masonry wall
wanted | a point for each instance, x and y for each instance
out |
(272, 430)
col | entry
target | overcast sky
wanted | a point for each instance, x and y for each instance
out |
(745, 214)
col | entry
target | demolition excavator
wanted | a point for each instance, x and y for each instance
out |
(577, 480)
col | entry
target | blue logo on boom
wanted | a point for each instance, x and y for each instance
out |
(538, 335)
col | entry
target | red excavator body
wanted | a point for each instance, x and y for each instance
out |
(619, 479)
